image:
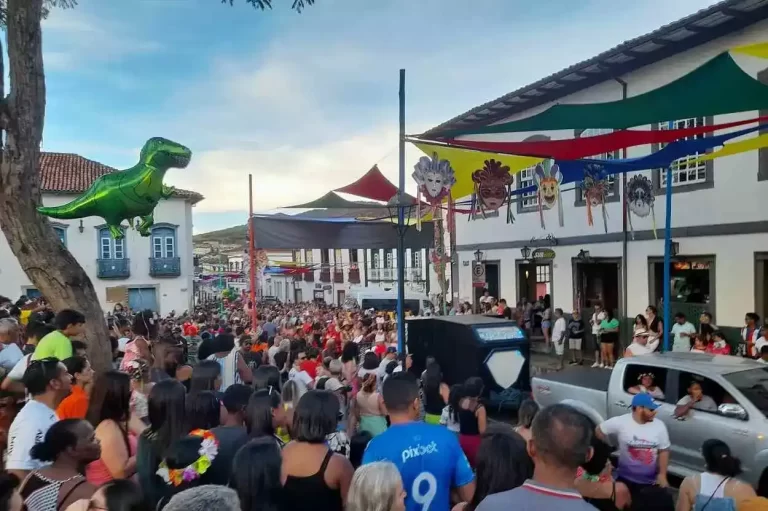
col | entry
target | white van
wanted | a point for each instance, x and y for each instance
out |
(386, 300)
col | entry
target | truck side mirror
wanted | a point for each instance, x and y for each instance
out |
(732, 410)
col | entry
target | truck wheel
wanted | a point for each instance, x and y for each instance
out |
(762, 485)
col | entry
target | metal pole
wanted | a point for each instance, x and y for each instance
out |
(401, 224)
(251, 252)
(667, 257)
(625, 232)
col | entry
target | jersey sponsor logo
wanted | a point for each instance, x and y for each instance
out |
(415, 451)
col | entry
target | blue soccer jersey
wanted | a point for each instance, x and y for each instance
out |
(430, 461)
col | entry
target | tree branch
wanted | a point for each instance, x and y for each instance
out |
(298, 5)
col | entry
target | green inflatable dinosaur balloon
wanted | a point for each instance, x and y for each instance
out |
(131, 193)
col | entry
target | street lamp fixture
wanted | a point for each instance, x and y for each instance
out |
(674, 248)
(478, 255)
(583, 255)
(526, 253)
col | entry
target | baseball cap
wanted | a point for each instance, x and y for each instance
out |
(644, 400)
(391, 349)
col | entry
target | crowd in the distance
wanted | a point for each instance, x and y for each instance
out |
(310, 408)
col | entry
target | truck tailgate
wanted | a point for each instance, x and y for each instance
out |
(588, 387)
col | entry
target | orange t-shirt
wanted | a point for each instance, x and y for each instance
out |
(74, 406)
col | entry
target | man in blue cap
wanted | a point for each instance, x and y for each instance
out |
(643, 445)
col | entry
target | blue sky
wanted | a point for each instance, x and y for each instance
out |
(305, 102)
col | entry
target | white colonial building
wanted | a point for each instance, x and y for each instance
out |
(719, 219)
(340, 270)
(155, 272)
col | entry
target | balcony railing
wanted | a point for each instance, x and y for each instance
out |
(390, 274)
(165, 266)
(325, 275)
(413, 274)
(354, 276)
(338, 276)
(114, 268)
(309, 276)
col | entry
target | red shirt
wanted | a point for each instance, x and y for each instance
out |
(310, 367)
(380, 349)
(725, 350)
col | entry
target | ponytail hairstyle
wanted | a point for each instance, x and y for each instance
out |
(59, 437)
(369, 384)
(454, 396)
(719, 460)
(291, 393)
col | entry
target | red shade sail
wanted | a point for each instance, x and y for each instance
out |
(574, 148)
(373, 185)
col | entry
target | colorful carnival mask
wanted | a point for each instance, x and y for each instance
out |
(435, 178)
(595, 187)
(640, 200)
(493, 186)
(547, 177)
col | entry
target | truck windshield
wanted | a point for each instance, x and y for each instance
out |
(754, 385)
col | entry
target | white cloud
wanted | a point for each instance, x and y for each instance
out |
(316, 105)
(73, 40)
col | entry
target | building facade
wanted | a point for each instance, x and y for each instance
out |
(719, 228)
(338, 271)
(155, 272)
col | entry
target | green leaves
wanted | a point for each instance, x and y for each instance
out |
(298, 5)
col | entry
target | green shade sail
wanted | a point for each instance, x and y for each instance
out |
(717, 87)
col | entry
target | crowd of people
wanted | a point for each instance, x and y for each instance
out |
(308, 408)
(567, 334)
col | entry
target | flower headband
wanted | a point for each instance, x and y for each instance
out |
(137, 368)
(209, 448)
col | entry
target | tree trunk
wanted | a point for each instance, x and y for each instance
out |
(50, 266)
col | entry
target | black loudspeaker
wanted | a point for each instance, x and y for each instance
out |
(492, 348)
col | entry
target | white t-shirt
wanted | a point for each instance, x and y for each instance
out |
(707, 403)
(10, 356)
(759, 343)
(17, 373)
(639, 446)
(558, 330)
(302, 378)
(271, 352)
(596, 319)
(643, 349)
(28, 428)
(681, 343)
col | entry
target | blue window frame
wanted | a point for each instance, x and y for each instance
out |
(110, 248)
(164, 241)
(61, 232)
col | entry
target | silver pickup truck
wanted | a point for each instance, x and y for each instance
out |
(739, 387)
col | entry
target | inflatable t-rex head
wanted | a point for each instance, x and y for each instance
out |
(163, 153)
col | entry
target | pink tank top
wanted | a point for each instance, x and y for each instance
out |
(131, 353)
(97, 472)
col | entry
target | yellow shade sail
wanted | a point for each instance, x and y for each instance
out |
(759, 50)
(466, 161)
(736, 148)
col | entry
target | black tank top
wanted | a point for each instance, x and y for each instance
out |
(433, 401)
(468, 421)
(311, 493)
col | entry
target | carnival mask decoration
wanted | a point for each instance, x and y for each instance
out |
(595, 188)
(493, 188)
(547, 177)
(640, 200)
(435, 178)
